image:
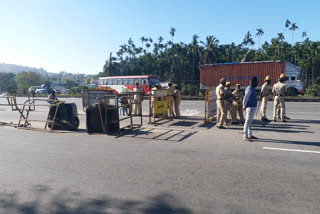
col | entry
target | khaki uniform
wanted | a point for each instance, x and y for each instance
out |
(137, 99)
(220, 105)
(170, 105)
(237, 106)
(279, 90)
(228, 104)
(177, 98)
(265, 93)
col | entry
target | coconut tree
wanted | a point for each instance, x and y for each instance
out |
(172, 32)
(281, 38)
(209, 49)
(108, 67)
(293, 28)
(259, 34)
(286, 25)
(304, 34)
(194, 54)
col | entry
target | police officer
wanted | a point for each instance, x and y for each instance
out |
(279, 91)
(228, 102)
(137, 99)
(237, 105)
(157, 87)
(170, 104)
(264, 94)
(220, 103)
(177, 98)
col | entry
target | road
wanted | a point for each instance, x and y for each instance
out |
(179, 166)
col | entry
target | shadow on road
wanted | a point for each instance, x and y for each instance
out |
(66, 202)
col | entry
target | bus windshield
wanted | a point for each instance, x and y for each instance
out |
(153, 81)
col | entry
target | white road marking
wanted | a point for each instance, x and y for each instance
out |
(291, 150)
(301, 112)
(190, 112)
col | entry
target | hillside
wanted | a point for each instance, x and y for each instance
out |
(11, 68)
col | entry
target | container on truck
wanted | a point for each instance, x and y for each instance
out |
(241, 73)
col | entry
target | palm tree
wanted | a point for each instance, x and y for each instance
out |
(109, 65)
(281, 38)
(286, 25)
(293, 28)
(259, 34)
(247, 39)
(194, 50)
(172, 31)
(209, 49)
(304, 34)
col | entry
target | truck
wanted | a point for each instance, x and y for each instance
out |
(210, 74)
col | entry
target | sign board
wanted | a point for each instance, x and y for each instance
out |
(160, 107)
(92, 96)
(212, 104)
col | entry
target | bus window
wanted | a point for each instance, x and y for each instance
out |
(120, 82)
(114, 82)
(136, 80)
(131, 82)
(108, 82)
(144, 81)
(293, 78)
(125, 81)
(153, 81)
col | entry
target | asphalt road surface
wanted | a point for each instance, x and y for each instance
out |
(179, 166)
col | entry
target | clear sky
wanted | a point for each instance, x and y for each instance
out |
(77, 35)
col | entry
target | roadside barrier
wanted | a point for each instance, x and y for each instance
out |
(210, 105)
(159, 105)
(24, 121)
(104, 107)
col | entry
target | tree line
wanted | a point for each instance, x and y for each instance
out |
(180, 62)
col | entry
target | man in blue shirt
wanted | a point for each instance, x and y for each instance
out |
(250, 106)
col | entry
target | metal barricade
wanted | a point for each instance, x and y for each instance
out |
(112, 102)
(159, 104)
(210, 105)
(92, 96)
(26, 108)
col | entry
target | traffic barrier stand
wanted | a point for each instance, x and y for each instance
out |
(159, 104)
(210, 112)
(107, 103)
(24, 121)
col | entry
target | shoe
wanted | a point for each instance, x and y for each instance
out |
(221, 127)
(274, 120)
(284, 121)
(235, 123)
(253, 137)
(265, 119)
(246, 139)
(287, 118)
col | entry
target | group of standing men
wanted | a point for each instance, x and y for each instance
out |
(236, 102)
(174, 97)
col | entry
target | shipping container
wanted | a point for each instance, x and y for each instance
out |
(241, 73)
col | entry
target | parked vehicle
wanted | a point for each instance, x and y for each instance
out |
(124, 83)
(242, 72)
(41, 91)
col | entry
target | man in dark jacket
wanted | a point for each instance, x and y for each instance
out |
(250, 106)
